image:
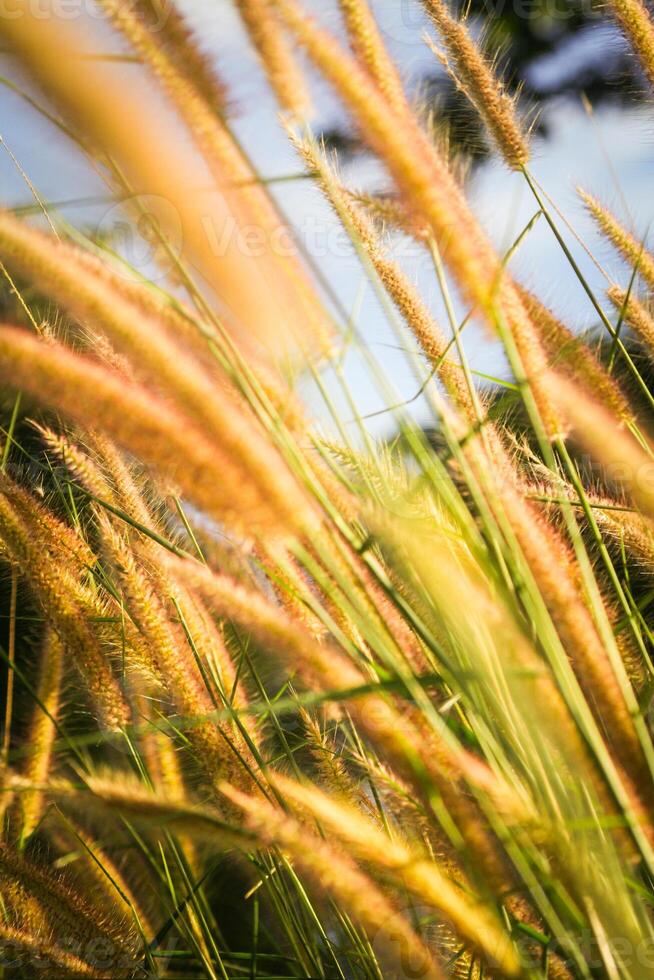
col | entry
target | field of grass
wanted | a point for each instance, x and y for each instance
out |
(281, 700)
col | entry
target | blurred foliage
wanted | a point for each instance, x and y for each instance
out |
(547, 50)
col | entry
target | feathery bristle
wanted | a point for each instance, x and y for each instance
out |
(635, 313)
(420, 875)
(473, 72)
(331, 870)
(163, 437)
(428, 187)
(636, 25)
(568, 351)
(57, 588)
(42, 732)
(276, 56)
(632, 251)
(173, 662)
(368, 46)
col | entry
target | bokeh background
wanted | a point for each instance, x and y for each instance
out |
(578, 86)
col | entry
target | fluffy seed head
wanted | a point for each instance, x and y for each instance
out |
(275, 54)
(631, 250)
(368, 46)
(636, 25)
(417, 873)
(476, 76)
(153, 430)
(331, 870)
(429, 188)
(635, 313)
(42, 731)
(567, 351)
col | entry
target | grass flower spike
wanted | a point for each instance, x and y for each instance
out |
(324, 653)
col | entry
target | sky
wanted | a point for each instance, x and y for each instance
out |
(610, 154)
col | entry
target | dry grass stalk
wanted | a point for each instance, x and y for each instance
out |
(403, 294)
(276, 56)
(42, 732)
(429, 189)
(551, 562)
(253, 207)
(200, 634)
(417, 873)
(602, 435)
(269, 625)
(626, 528)
(78, 462)
(626, 535)
(565, 601)
(202, 117)
(37, 950)
(636, 314)
(636, 25)
(329, 761)
(154, 356)
(67, 912)
(173, 662)
(369, 47)
(474, 73)
(181, 44)
(108, 112)
(132, 799)
(57, 588)
(194, 629)
(632, 251)
(153, 430)
(389, 728)
(553, 566)
(209, 646)
(536, 539)
(387, 210)
(557, 577)
(568, 352)
(493, 773)
(332, 871)
(126, 491)
(107, 880)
